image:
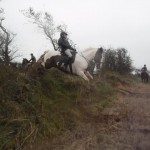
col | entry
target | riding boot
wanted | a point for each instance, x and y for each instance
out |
(69, 63)
(66, 65)
(69, 60)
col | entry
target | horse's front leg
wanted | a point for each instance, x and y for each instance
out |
(88, 74)
(82, 74)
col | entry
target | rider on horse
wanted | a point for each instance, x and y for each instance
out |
(144, 69)
(33, 59)
(144, 74)
(66, 48)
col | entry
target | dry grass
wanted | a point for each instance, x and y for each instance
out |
(125, 125)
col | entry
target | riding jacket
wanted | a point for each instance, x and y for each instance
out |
(64, 44)
(33, 59)
(144, 69)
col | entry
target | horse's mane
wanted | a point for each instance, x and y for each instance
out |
(42, 56)
(88, 49)
(44, 53)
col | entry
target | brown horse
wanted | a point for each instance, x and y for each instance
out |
(24, 62)
(144, 76)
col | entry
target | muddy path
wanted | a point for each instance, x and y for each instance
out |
(125, 125)
(132, 131)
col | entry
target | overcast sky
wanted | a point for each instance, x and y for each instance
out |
(90, 23)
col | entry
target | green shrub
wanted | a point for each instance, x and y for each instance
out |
(117, 60)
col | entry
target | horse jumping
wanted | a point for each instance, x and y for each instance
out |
(79, 66)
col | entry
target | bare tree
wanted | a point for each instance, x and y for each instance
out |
(6, 39)
(1, 34)
(45, 22)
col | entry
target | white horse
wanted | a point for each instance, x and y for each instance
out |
(79, 66)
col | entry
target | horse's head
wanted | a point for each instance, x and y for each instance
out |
(98, 57)
(25, 62)
(100, 50)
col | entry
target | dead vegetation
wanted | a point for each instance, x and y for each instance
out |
(125, 124)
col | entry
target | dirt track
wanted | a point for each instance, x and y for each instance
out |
(126, 125)
(132, 132)
(123, 126)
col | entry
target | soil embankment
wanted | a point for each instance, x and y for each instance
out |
(125, 125)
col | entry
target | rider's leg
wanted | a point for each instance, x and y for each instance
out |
(69, 54)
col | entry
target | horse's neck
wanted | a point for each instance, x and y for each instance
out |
(89, 54)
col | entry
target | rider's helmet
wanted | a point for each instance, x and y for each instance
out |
(101, 49)
(63, 33)
(144, 65)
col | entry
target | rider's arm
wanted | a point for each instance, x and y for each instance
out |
(31, 59)
(66, 44)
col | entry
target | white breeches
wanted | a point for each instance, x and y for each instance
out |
(68, 52)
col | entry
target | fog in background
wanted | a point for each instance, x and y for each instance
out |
(90, 23)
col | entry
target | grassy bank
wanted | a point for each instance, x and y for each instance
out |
(35, 108)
